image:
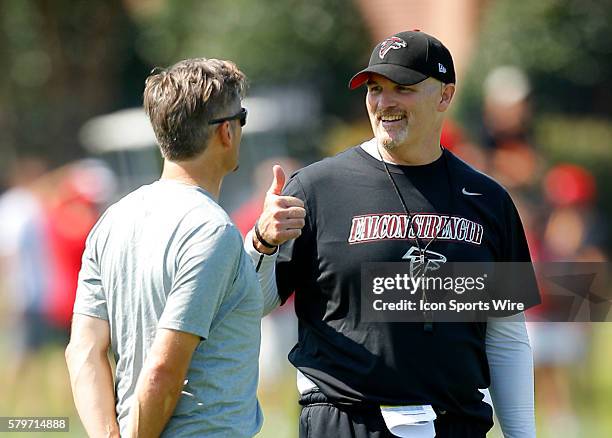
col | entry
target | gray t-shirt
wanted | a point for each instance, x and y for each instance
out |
(167, 256)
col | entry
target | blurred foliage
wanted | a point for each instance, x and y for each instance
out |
(565, 46)
(64, 62)
(567, 139)
(67, 60)
(315, 44)
(272, 41)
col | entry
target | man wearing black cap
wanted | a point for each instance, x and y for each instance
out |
(399, 197)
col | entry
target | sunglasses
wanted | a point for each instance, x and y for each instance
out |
(242, 115)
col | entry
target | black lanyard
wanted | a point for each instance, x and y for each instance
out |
(427, 315)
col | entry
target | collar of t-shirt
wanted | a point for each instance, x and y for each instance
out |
(371, 147)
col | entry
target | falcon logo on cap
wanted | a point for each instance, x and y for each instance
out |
(390, 43)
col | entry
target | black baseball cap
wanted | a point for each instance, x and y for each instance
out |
(408, 58)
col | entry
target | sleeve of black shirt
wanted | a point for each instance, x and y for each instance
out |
(296, 257)
(516, 248)
(515, 277)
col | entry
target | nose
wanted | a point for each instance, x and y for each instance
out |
(386, 100)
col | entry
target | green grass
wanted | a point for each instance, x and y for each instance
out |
(41, 388)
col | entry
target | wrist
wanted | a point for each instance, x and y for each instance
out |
(260, 243)
(260, 247)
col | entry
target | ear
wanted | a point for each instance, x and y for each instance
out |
(448, 91)
(225, 133)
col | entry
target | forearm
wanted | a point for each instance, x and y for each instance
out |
(511, 368)
(157, 393)
(92, 387)
(265, 267)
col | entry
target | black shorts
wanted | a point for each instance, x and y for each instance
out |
(322, 419)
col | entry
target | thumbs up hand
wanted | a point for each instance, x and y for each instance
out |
(282, 218)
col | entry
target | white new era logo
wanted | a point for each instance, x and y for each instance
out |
(441, 68)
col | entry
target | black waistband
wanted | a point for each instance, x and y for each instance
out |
(314, 396)
(445, 421)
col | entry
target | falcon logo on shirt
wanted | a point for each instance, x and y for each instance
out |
(422, 262)
(391, 43)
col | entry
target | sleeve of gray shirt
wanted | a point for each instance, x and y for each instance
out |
(90, 298)
(207, 264)
(511, 368)
(265, 265)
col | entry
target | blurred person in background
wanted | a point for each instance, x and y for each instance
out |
(349, 371)
(24, 272)
(165, 282)
(80, 190)
(507, 109)
(507, 121)
(45, 218)
(511, 157)
(561, 224)
(571, 232)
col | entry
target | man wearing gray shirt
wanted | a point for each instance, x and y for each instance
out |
(165, 283)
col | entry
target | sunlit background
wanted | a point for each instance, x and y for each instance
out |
(533, 109)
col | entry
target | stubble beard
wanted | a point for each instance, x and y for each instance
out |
(391, 143)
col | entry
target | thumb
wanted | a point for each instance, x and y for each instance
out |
(278, 182)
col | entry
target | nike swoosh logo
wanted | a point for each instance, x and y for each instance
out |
(465, 192)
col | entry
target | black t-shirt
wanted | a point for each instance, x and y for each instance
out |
(353, 216)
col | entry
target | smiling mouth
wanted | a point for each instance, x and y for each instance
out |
(390, 118)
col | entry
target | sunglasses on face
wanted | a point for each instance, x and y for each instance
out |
(242, 116)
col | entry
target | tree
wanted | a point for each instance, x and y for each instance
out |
(68, 60)
(565, 46)
(65, 61)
